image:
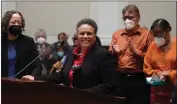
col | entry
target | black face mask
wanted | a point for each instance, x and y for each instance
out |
(15, 30)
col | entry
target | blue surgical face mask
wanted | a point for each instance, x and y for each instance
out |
(60, 54)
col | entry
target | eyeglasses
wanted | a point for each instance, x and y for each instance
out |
(128, 17)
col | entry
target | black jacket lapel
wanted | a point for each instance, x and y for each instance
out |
(88, 58)
(67, 67)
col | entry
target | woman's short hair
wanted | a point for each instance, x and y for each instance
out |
(63, 33)
(40, 32)
(89, 22)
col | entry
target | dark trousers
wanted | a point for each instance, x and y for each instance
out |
(133, 86)
(174, 100)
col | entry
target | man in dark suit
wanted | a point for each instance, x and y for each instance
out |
(18, 50)
(49, 56)
(89, 66)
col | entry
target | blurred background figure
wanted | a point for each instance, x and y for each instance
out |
(160, 61)
(47, 58)
(75, 40)
(63, 51)
(63, 37)
(62, 56)
(98, 41)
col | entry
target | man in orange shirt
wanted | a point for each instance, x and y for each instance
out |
(160, 60)
(130, 45)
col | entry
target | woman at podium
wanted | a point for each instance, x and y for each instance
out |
(18, 50)
(89, 66)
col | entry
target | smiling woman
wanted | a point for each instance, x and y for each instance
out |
(90, 66)
(87, 30)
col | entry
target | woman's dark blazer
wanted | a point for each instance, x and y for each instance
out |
(25, 52)
(97, 72)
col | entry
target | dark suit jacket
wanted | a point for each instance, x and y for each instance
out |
(97, 72)
(25, 52)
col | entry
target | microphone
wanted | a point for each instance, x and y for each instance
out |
(58, 43)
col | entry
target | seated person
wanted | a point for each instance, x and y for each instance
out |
(61, 60)
(63, 37)
(47, 59)
(89, 67)
(160, 61)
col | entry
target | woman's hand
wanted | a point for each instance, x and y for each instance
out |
(28, 78)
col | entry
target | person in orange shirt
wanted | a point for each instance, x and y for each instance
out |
(160, 61)
(130, 45)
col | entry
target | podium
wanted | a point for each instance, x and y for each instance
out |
(15, 91)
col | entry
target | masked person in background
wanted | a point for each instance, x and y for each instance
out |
(62, 56)
(63, 37)
(49, 57)
(129, 45)
(160, 61)
(17, 50)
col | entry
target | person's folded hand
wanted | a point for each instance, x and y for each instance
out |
(28, 78)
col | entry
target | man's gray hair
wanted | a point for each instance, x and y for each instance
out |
(40, 32)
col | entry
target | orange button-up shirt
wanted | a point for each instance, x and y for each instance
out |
(140, 38)
(155, 60)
